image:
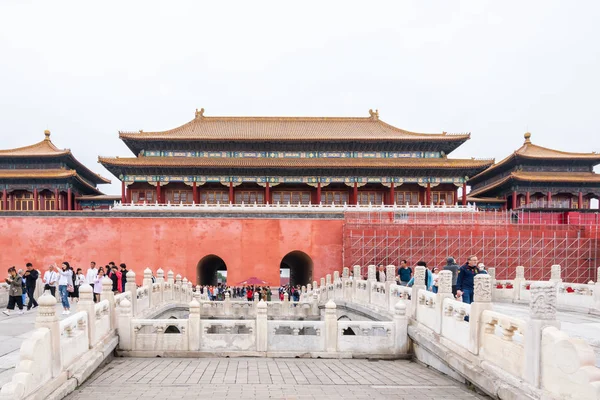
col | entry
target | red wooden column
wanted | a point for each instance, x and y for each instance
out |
(355, 193)
(527, 198)
(318, 192)
(392, 195)
(35, 200)
(56, 200)
(123, 198)
(428, 194)
(549, 198)
(195, 193)
(69, 199)
(127, 194)
(231, 199)
(580, 200)
(514, 200)
(4, 200)
(158, 193)
(464, 194)
(267, 194)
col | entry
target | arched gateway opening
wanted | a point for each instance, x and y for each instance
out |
(211, 270)
(296, 268)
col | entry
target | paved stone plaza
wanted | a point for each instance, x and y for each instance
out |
(260, 378)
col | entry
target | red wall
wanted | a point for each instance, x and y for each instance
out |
(249, 247)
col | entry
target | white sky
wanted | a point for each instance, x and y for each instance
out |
(494, 68)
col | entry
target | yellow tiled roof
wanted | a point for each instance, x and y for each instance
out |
(288, 128)
(295, 162)
(44, 174)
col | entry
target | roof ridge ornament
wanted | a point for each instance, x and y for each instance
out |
(199, 113)
(47, 134)
(374, 114)
(527, 137)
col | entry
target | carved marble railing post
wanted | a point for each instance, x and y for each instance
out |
(315, 303)
(261, 326)
(147, 283)
(328, 279)
(47, 318)
(390, 278)
(323, 288)
(227, 304)
(418, 284)
(345, 278)
(542, 313)
(107, 294)
(86, 303)
(482, 300)
(330, 327)
(444, 292)
(171, 277)
(131, 288)
(160, 278)
(518, 282)
(194, 329)
(124, 325)
(555, 274)
(185, 290)
(336, 276)
(401, 321)
(492, 273)
(372, 273)
(177, 293)
(357, 277)
(597, 291)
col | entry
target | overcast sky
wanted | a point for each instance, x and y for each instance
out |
(493, 68)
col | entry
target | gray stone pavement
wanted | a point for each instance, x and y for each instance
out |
(14, 330)
(265, 378)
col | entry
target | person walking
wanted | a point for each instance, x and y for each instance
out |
(24, 289)
(452, 267)
(466, 279)
(50, 280)
(405, 273)
(91, 274)
(65, 285)
(435, 277)
(15, 291)
(31, 276)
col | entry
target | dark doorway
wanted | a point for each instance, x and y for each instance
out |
(211, 270)
(299, 266)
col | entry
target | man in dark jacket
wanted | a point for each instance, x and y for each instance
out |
(124, 272)
(452, 267)
(31, 276)
(465, 280)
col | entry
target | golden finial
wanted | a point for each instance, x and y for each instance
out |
(527, 137)
(47, 134)
(374, 114)
(199, 113)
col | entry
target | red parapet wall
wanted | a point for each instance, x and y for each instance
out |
(249, 247)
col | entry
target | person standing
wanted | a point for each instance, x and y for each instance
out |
(466, 279)
(65, 282)
(435, 277)
(381, 277)
(24, 289)
(79, 280)
(50, 280)
(405, 273)
(15, 291)
(123, 276)
(31, 276)
(98, 285)
(91, 275)
(452, 267)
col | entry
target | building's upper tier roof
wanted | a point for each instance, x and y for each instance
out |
(46, 148)
(534, 152)
(288, 129)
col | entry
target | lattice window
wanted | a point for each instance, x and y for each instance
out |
(49, 201)
(180, 196)
(366, 198)
(139, 196)
(337, 197)
(23, 201)
(214, 196)
(407, 197)
(442, 197)
(249, 197)
(293, 197)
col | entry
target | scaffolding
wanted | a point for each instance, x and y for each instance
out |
(498, 242)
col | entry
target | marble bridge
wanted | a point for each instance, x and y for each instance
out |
(521, 340)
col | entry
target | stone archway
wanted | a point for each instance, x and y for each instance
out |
(299, 266)
(208, 268)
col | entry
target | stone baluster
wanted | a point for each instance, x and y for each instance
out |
(177, 293)
(372, 271)
(555, 274)
(184, 291)
(261, 326)
(390, 279)
(330, 327)
(328, 279)
(357, 274)
(227, 304)
(336, 276)
(86, 303)
(482, 300)
(345, 272)
(357, 277)
(47, 318)
(147, 283)
(401, 321)
(542, 313)
(315, 285)
(256, 298)
(107, 294)
(597, 291)
(444, 292)
(131, 288)
(171, 277)
(125, 330)
(160, 279)
(418, 284)
(322, 285)
(315, 303)
(518, 282)
(492, 273)
(195, 325)
(285, 307)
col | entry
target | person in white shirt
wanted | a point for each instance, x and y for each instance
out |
(64, 281)
(50, 280)
(91, 275)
